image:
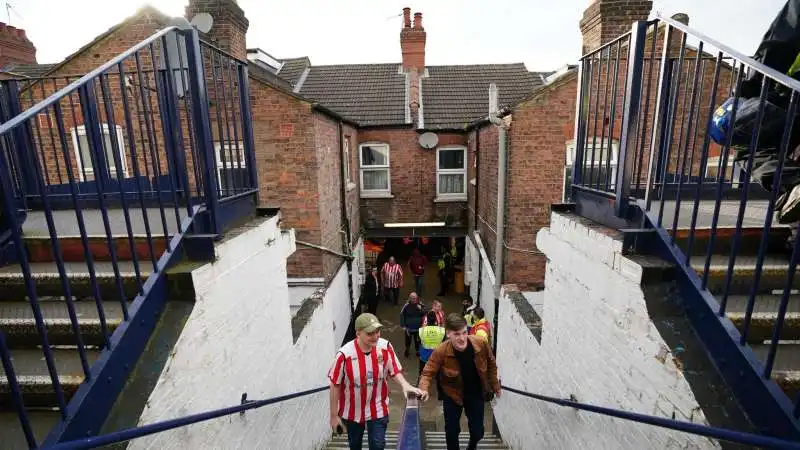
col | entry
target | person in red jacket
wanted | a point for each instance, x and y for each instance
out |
(417, 266)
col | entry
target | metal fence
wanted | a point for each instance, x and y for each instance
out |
(124, 159)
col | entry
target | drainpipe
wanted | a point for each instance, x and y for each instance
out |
(499, 248)
(348, 250)
(476, 216)
(499, 253)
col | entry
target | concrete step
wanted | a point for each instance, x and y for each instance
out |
(786, 370)
(48, 282)
(765, 314)
(17, 322)
(40, 249)
(749, 241)
(774, 272)
(34, 379)
(41, 420)
(435, 440)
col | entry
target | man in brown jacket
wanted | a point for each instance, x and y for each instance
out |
(468, 374)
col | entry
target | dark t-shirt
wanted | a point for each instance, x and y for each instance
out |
(469, 373)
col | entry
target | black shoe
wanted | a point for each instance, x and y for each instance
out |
(406, 353)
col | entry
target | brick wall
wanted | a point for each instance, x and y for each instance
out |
(604, 20)
(539, 131)
(283, 132)
(487, 187)
(329, 170)
(413, 181)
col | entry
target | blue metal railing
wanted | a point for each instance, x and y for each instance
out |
(161, 130)
(670, 174)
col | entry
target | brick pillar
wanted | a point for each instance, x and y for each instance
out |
(605, 20)
(15, 47)
(230, 24)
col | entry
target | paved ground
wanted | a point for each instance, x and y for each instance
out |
(67, 224)
(431, 411)
(754, 213)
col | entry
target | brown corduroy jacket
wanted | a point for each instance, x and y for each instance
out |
(443, 361)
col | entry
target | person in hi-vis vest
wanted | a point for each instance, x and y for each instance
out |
(431, 335)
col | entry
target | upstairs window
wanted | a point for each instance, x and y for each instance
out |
(451, 173)
(375, 171)
(83, 155)
(598, 170)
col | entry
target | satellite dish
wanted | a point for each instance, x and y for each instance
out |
(428, 140)
(203, 22)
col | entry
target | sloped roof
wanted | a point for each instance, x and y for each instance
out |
(27, 70)
(293, 68)
(369, 94)
(454, 96)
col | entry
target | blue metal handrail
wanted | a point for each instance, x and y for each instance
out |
(158, 427)
(667, 181)
(737, 437)
(410, 435)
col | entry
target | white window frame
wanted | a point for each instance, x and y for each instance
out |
(601, 151)
(79, 131)
(348, 175)
(736, 169)
(450, 196)
(375, 193)
(217, 154)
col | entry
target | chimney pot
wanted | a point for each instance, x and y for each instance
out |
(406, 17)
(418, 21)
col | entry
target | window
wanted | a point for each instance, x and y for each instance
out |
(347, 173)
(598, 170)
(375, 174)
(84, 158)
(233, 173)
(451, 173)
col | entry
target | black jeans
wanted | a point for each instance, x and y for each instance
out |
(376, 433)
(473, 408)
(412, 336)
(392, 294)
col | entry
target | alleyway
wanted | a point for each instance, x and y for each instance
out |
(431, 415)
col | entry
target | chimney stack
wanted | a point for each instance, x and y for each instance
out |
(230, 25)
(412, 42)
(15, 47)
(605, 20)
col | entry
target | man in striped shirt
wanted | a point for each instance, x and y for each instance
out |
(358, 384)
(392, 279)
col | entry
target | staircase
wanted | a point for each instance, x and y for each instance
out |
(434, 440)
(786, 371)
(17, 322)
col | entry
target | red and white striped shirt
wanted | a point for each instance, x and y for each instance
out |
(362, 379)
(392, 275)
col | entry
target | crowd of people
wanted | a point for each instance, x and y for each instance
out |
(453, 351)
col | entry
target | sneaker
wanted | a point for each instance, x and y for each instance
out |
(789, 211)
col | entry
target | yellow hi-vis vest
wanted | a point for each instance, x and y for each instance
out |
(430, 336)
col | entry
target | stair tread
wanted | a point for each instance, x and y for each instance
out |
(787, 358)
(75, 269)
(764, 304)
(30, 365)
(56, 311)
(743, 262)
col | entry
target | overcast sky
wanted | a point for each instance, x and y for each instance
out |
(543, 34)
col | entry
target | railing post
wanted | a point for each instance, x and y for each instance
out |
(22, 143)
(580, 123)
(630, 117)
(247, 127)
(201, 123)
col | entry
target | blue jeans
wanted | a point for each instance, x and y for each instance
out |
(452, 421)
(418, 282)
(376, 433)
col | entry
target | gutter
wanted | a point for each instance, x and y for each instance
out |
(347, 243)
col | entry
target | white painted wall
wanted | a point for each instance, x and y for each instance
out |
(598, 344)
(299, 293)
(476, 254)
(238, 339)
(337, 304)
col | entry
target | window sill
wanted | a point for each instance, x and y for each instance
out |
(381, 195)
(350, 186)
(450, 199)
